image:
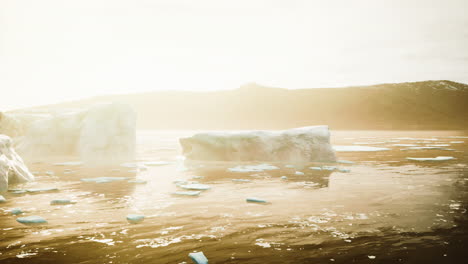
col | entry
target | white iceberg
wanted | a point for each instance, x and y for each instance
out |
(305, 144)
(198, 258)
(439, 158)
(195, 186)
(101, 135)
(134, 218)
(357, 148)
(12, 167)
(34, 219)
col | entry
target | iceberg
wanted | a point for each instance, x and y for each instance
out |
(299, 173)
(195, 186)
(134, 218)
(187, 193)
(103, 179)
(16, 211)
(357, 148)
(439, 158)
(305, 144)
(255, 200)
(34, 219)
(12, 167)
(101, 135)
(62, 202)
(198, 258)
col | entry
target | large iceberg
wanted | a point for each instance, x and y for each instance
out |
(101, 135)
(306, 144)
(12, 167)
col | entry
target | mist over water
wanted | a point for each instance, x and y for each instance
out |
(381, 208)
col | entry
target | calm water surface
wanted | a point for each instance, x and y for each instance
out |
(386, 209)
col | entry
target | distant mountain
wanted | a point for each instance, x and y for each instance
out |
(414, 105)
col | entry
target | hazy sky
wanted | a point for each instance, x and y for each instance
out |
(54, 50)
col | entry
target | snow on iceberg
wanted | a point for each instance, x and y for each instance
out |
(304, 144)
(12, 167)
(357, 148)
(101, 135)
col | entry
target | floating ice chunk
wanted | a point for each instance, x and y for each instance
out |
(344, 170)
(62, 202)
(299, 173)
(104, 179)
(329, 168)
(17, 191)
(69, 163)
(371, 257)
(284, 177)
(2, 199)
(439, 158)
(439, 145)
(195, 186)
(198, 177)
(241, 180)
(187, 193)
(405, 145)
(138, 181)
(253, 168)
(198, 258)
(50, 173)
(12, 167)
(255, 200)
(345, 162)
(134, 218)
(156, 163)
(304, 144)
(33, 219)
(457, 142)
(315, 168)
(36, 190)
(357, 148)
(16, 211)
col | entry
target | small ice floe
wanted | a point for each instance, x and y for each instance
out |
(50, 173)
(329, 168)
(104, 179)
(357, 148)
(2, 199)
(17, 191)
(457, 142)
(187, 193)
(241, 180)
(315, 168)
(198, 177)
(345, 162)
(69, 163)
(198, 258)
(284, 177)
(438, 158)
(195, 186)
(16, 211)
(134, 218)
(343, 170)
(439, 145)
(371, 257)
(62, 202)
(36, 190)
(405, 145)
(33, 219)
(299, 173)
(255, 200)
(156, 163)
(422, 148)
(289, 166)
(137, 181)
(252, 168)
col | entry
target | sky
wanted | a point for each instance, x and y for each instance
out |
(60, 50)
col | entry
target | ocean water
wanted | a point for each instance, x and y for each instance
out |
(381, 208)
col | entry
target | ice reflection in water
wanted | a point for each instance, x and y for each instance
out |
(386, 208)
